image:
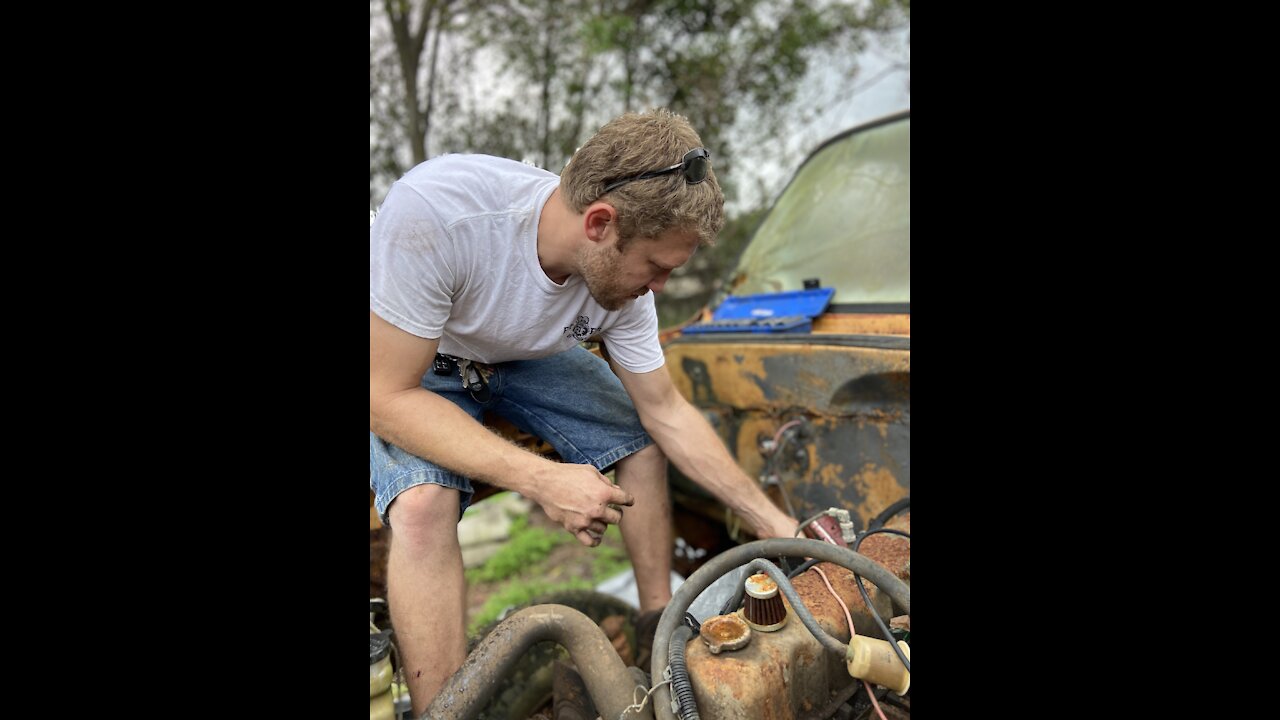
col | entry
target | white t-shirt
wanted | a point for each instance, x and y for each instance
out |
(453, 254)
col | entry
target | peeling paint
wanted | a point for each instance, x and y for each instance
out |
(750, 375)
(832, 475)
(878, 488)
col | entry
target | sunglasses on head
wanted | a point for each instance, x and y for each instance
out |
(694, 166)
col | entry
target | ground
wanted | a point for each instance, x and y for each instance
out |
(538, 560)
(568, 564)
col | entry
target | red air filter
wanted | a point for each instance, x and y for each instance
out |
(763, 609)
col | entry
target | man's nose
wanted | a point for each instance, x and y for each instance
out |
(659, 282)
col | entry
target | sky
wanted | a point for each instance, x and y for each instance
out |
(838, 104)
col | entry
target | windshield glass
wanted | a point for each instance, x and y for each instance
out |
(845, 219)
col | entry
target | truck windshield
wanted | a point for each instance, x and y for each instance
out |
(844, 219)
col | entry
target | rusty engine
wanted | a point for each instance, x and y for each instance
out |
(780, 647)
(784, 670)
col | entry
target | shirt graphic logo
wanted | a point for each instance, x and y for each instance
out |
(581, 329)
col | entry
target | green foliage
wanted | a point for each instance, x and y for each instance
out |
(522, 565)
(525, 547)
(605, 33)
(570, 65)
(515, 595)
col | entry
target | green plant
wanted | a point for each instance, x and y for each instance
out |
(525, 547)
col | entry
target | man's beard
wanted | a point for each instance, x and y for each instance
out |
(600, 271)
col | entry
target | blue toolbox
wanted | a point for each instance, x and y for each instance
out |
(792, 311)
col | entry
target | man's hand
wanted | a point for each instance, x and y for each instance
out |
(777, 525)
(579, 498)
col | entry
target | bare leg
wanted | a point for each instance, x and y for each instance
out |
(646, 526)
(426, 590)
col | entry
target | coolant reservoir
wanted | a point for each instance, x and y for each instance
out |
(787, 674)
(776, 674)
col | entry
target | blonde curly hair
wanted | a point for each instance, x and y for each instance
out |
(632, 144)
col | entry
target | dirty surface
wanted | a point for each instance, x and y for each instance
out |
(851, 445)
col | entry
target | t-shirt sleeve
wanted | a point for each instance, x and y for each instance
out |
(411, 265)
(633, 340)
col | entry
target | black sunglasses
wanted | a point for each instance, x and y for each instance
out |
(694, 165)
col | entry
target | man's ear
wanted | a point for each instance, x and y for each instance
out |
(596, 220)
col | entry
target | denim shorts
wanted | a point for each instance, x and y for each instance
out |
(572, 400)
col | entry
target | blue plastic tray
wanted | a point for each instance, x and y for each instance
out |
(791, 311)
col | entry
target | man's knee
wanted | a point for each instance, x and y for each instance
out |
(425, 514)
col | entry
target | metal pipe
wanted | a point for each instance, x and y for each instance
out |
(741, 555)
(606, 678)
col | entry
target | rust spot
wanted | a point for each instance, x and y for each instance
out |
(824, 608)
(883, 428)
(832, 476)
(878, 488)
(862, 324)
(827, 611)
(723, 630)
(901, 521)
(891, 551)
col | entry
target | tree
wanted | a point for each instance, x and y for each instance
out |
(708, 58)
(406, 92)
(544, 44)
(411, 24)
(567, 66)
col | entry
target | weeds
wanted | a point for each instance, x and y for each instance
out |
(524, 548)
(521, 566)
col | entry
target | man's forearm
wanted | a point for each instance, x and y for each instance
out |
(695, 448)
(433, 428)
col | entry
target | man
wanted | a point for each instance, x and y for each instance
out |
(484, 277)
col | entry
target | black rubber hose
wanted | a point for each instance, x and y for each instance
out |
(889, 512)
(805, 566)
(689, 590)
(681, 688)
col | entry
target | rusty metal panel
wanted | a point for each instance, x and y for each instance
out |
(823, 379)
(862, 323)
(852, 449)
